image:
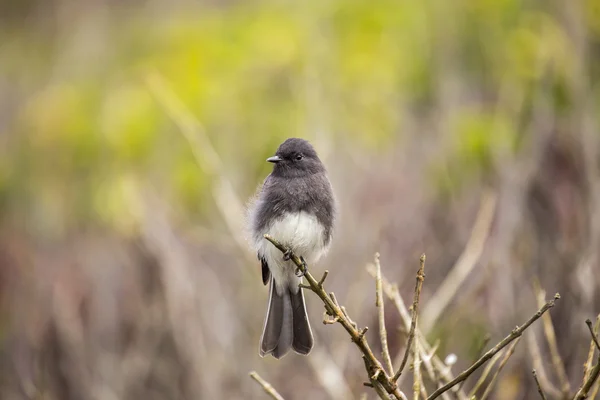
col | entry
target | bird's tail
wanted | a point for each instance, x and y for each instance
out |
(286, 324)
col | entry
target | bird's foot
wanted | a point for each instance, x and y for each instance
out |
(301, 271)
(287, 255)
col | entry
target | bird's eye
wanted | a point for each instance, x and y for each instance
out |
(299, 157)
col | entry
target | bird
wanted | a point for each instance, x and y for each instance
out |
(297, 207)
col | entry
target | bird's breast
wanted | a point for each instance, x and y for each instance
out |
(300, 231)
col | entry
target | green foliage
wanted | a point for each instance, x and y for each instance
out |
(253, 74)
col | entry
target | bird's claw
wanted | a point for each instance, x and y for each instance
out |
(287, 255)
(301, 271)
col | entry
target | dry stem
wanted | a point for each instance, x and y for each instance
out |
(517, 332)
(486, 371)
(382, 331)
(415, 314)
(377, 375)
(539, 387)
(270, 390)
(583, 391)
(417, 374)
(557, 362)
(509, 352)
(594, 336)
(538, 364)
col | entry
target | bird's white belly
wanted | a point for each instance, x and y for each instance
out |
(301, 232)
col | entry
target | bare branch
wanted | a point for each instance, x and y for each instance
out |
(509, 352)
(377, 375)
(322, 280)
(385, 351)
(557, 362)
(594, 372)
(582, 393)
(486, 371)
(415, 314)
(538, 364)
(594, 336)
(270, 390)
(417, 374)
(418, 385)
(430, 359)
(539, 387)
(595, 390)
(480, 349)
(517, 332)
(587, 366)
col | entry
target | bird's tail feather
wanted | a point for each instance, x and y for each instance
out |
(303, 338)
(286, 324)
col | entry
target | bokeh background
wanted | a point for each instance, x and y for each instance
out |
(133, 133)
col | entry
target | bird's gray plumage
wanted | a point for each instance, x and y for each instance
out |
(297, 207)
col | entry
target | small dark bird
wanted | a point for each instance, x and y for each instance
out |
(295, 206)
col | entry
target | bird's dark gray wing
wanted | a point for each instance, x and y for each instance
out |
(266, 274)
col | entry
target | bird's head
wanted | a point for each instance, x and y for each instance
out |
(296, 157)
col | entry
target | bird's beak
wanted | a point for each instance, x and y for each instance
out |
(274, 159)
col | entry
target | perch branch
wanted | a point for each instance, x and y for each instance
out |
(270, 390)
(517, 332)
(377, 375)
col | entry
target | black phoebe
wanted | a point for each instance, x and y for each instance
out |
(297, 207)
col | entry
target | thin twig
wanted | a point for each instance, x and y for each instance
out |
(509, 352)
(486, 371)
(322, 280)
(426, 350)
(377, 374)
(418, 361)
(426, 361)
(595, 390)
(416, 373)
(517, 332)
(415, 315)
(588, 322)
(539, 387)
(538, 364)
(480, 349)
(596, 387)
(583, 391)
(270, 390)
(587, 366)
(385, 351)
(557, 362)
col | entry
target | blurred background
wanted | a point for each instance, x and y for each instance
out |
(133, 133)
